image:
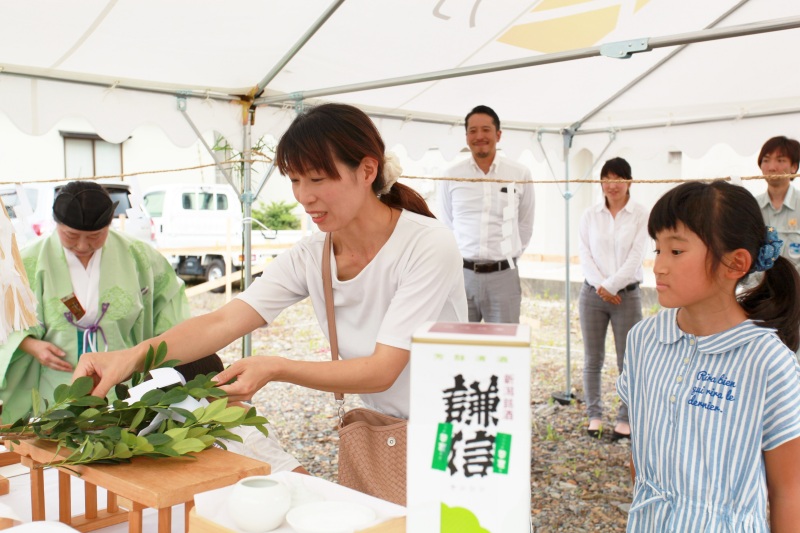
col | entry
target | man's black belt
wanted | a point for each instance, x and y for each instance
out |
(485, 268)
(626, 288)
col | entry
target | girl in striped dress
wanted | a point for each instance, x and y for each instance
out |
(713, 390)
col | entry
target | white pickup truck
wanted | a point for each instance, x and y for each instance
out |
(194, 224)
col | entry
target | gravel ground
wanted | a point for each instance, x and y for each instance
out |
(578, 484)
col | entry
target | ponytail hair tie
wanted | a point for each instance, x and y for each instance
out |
(769, 252)
(391, 171)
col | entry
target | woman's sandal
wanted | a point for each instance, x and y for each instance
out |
(615, 436)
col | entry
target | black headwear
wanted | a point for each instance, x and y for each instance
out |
(84, 206)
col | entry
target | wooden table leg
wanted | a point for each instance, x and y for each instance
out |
(135, 518)
(165, 520)
(37, 488)
(187, 508)
(64, 498)
(90, 492)
(5, 486)
(111, 502)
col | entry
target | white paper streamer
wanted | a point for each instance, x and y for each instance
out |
(163, 377)
(17, 303)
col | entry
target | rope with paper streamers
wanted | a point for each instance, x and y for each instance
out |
(432, 178)
(672, 180)
(18, 307)
(140, 173)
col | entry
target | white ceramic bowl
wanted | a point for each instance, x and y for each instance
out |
(259, 503)
(330, 517)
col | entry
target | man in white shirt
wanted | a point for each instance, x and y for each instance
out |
(492, 221)
(780, 205)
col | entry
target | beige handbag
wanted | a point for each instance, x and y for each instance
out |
(372, 445)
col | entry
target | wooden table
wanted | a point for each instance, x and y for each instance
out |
(395, 525)
(155, 483)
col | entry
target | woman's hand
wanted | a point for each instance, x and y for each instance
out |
(251, 375)
(48, 354)
(107, 369)
(614, 299)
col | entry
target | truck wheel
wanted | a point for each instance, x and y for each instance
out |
(215, 270)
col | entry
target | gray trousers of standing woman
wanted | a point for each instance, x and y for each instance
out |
(595, 315)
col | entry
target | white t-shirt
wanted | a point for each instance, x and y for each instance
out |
(416, 277)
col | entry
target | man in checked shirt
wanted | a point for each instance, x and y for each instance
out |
(492, 222)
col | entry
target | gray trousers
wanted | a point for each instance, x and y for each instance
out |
(493, 296)
(595, 314)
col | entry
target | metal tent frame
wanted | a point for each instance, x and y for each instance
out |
(256, 99)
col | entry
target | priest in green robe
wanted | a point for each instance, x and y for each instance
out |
(97, 290)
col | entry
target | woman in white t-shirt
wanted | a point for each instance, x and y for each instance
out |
(394, 267)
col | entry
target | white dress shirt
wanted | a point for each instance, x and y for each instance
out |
(612, 249)
(487, 227)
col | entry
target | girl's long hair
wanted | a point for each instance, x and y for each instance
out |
(727, 217)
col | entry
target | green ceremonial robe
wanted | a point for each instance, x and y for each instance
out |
(145, 299)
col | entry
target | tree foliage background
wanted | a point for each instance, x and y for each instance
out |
(277, 215)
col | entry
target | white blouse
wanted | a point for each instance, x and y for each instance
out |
(612, 249)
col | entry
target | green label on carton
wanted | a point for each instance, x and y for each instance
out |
(441, 449)
(502, 451)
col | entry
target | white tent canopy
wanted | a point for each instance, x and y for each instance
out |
(240, 67)
(122, 63)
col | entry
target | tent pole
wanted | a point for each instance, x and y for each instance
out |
(214, 155)
(652, 69)
(297, 46)
(567, 288)
(543, 59)
(689, 122)
(547, 160)
(247, 206)
(612, 136)
(566, 397)
(267, 175)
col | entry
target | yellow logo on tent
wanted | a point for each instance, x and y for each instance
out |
(567, 24)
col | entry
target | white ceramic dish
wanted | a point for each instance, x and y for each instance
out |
(330, 517)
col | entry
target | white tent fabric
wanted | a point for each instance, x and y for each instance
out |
(123, 63)
(216, 52)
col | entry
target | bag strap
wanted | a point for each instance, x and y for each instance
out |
(327, 285)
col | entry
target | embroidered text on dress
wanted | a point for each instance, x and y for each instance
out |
(722, 380)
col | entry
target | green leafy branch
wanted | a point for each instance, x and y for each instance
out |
(96, 431)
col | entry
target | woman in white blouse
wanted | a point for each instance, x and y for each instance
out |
(613, 236)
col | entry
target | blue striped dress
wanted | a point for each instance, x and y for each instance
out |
(702, 411)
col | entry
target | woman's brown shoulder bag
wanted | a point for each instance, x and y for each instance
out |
(372, 445)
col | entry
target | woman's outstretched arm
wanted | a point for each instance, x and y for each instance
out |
(187, 341)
